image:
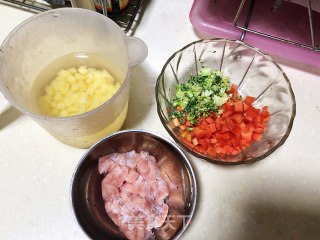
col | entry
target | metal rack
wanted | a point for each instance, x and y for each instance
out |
(126, 19)
(245, 28)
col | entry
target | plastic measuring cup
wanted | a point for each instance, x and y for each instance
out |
(45, 37)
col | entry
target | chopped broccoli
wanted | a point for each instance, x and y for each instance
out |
(201, 96)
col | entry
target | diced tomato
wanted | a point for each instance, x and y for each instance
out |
(246, 134)
(219, 136)
(237, 118)
(201, 149)
(235, 141)
(220, 121)
(204, 142)
(265, 115)
(187, 123)
(265, 109)
(213, 128)
(228, 107)
(244, 144)
(179, 108)
(198, 132)
(256, 136)
(227, 149)
(226, 114)
(261, 125)
(224, 129)
(266, 119)
(233, 131)
(203, 124)
(234, 152)
(238, 149)
(212, 151)
(230, 124)
(259, 130)
(257, 119)
(250, 114)
(213, 140)
(236, 131)
(238, 106)
(208, 132)
(249, 100)
(250, 127)
(183, 127)
(233, 89)
(218, 149)
(245, 106)
(209, 120)
(226, 136)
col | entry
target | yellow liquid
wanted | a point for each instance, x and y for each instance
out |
(84, 138)
(87, 141)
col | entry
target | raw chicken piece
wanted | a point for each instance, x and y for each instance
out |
(134, 193)
(132, 176)
(108, 191)
(171, 175)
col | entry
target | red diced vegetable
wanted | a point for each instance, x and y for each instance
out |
(213, 128)
(249, 100)
(239, 125)
(233, 89)
(238, 107)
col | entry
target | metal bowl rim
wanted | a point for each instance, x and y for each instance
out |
(194, 192)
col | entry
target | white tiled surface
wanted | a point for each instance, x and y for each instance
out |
(277, 198)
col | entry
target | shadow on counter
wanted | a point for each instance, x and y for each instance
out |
(279, 222)
(8, 116)
(141, 98)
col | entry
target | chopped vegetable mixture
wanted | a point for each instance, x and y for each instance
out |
(201, 96)
(213, 118)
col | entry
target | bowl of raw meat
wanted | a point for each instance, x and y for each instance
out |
(225, 102)
(134, 185)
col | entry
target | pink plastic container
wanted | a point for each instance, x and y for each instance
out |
(290, 21)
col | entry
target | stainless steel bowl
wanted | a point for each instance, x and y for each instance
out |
(86, 197)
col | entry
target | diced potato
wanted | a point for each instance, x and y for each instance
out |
(64, 113)
(72, 70)
(109, 80)
(63, 73)
(71, 79)
(75, 88)
(83, 70)
(61, 105)
(75, 91)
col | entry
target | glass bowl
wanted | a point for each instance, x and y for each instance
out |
(86, 194)
(255, 74)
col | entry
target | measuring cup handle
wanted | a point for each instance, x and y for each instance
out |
(137, 50)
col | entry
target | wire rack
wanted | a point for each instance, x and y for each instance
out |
(126, 19)
(277, 4)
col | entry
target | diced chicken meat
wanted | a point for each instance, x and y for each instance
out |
(134, 193)
(171, 175)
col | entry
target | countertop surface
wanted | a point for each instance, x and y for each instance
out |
(276, 198)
